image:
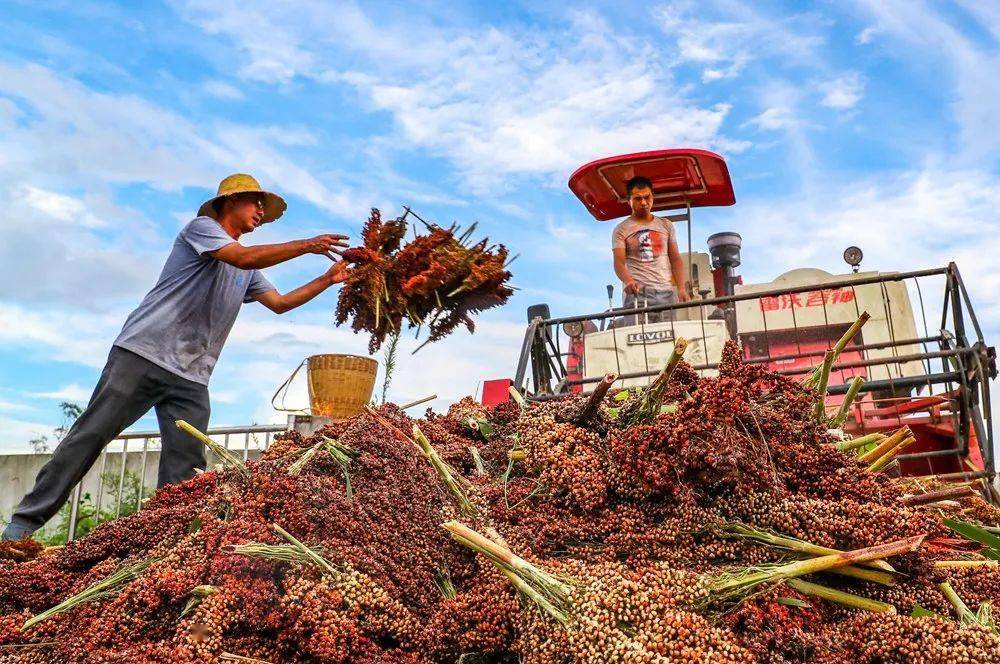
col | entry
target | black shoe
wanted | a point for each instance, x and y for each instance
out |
(14, 531)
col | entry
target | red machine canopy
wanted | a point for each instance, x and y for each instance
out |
(679, 176)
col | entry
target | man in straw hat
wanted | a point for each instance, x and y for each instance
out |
(167, 348)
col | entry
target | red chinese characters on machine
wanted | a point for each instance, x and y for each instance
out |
(817, 298)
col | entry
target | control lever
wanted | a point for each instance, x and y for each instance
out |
(606, 322)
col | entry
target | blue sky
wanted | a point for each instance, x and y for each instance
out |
(858, 122)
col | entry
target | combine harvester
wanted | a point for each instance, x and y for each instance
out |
(929, 374)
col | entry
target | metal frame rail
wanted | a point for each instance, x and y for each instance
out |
(150, 442)
(966, 363)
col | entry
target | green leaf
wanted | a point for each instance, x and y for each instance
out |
(976, 534)
(921, 612)
(485, 429)
(613, 413)
(621, 396)
(792, 601)
(195, 525)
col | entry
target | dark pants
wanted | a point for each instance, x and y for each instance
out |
(649, 297)
(129, 386)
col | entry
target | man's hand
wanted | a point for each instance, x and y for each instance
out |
(265, 255)
(337, 273)
(682, 295)
(322, 244)
(632, 287)
(279, 303)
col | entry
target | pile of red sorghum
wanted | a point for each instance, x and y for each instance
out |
(633, 519)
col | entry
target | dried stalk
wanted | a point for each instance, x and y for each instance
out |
(819, 410)
(442, 579)
(548, 591)
(198, 593)
(227, 457)
(840, 597)
(309, 553)
(288, 553)
(874, 455)
(559, 614)
(444, 471)
(595, 399)
(477, 459)
(37, 644)
(517, 397)
(737, 585)
(106, 587)
(861, 441)
(647, 407)
(343, 455)
(865, 574)
(300, 463)
(417, 402)
(737, 529)
(963, 476)
(813, 379)
(890, 456)
(231, 657)
(845, 406)
(940, 494)
(340, 452)
(964, 613)
(958, 564)
(393, 429)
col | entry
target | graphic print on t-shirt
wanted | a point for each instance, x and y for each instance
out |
(646, 245)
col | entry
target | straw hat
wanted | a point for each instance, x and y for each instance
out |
(274, 205)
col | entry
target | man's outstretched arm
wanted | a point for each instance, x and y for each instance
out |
(265, 255)
(280, 303)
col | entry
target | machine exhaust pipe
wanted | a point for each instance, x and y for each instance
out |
(725, 250)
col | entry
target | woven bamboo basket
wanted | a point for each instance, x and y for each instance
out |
(340, 385)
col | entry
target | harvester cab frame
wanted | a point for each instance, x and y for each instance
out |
(934, 379)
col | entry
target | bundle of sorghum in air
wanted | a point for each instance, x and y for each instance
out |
(439, 279)
(705, 519)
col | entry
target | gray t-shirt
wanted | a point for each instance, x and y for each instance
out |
(646, 251)
(183, 322)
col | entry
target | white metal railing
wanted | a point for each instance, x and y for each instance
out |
(245, 439)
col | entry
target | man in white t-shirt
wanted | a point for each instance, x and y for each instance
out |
(646, 256)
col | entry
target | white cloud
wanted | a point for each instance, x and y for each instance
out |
(82, 137)
(12, 406)
(724, 37)
(773, 118)
(54, 259)
(494, 102)
(561, 103)
(843, 92)
(906, 221)
(59, 334)
(15, 434)
(59, 207)
(223, 90)
(71, 392)
(868, 35)
(965, 63)
(65, 150)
